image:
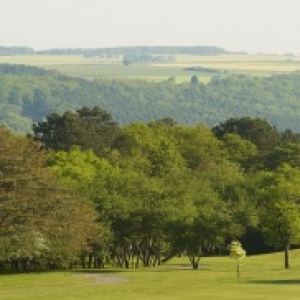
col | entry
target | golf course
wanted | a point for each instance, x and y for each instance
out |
(262, 277)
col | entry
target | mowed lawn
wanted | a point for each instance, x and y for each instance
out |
(263, 277)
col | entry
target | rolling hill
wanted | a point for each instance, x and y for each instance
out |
(28, 94)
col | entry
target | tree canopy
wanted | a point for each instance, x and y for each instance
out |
(30, 94)
(40, 218)
(88, 128)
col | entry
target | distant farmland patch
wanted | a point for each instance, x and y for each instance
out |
(181, 69)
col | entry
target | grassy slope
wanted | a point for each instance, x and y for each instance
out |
(263, 278)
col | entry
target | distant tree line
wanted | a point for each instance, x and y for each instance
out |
(6, 51)
(138, 50)
(117, 51)
(203, 69)
(144, 58)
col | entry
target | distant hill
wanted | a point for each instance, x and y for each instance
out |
(28, 94)
(140, 50)
(116, 51)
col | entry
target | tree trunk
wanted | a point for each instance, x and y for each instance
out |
(171, 255)
(287, 255)
(238, 268)
(90, 260)
(195, 264)
(194, 255)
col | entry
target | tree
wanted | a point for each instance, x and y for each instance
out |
(167, 121)
(40, 218)
(87, 128)
(257, 131)
(287, 152)
(237, 252)
(239, 150)
(194, 79)
(280, 208)
(198, 146)
(150, 149)
(134, 205)
(127, 61)
(205, 219)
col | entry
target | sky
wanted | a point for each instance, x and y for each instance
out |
(254, 26)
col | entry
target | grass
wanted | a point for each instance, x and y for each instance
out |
(91, 68)
(263, 277)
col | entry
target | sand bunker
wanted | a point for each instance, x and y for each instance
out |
(105, 279)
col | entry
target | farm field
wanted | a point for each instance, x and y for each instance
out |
(263, 277)
(96, 67)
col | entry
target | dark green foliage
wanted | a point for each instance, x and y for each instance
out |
(287, 152)
(8, 69)
(88, 128)
(194, 80)
(290, 136)
(167, 121)
(257, 131)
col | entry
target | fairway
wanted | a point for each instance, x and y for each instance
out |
(112, 68)
(263, 277)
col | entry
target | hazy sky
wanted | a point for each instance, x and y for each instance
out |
(270, 26)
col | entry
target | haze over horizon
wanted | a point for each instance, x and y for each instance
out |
(256, 26)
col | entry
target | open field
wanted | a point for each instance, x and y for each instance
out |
(96, 67)
(263, 277)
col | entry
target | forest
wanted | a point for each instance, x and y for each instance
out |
(82, 190)
(28, 94)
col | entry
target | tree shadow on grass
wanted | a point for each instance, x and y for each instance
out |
(189, 267)
(31, 272)
(277, 281)
(178, 267)
(98, 271)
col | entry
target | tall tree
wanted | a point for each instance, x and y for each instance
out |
(88, 128)
(280, 208)
(39, 216)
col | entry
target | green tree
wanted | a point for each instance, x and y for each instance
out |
(237, 252)
(280, 208)
(239, 150)
(287, 152)
(150, 149)
(88, 128)
(40, 218)
(257, 131)
(194, 79)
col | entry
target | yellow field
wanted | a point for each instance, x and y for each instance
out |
(241, 63)
(96, 67)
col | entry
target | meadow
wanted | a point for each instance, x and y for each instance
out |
(99, 67)
(263, 277)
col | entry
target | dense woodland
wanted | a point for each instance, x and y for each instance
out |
(82, 190)
(29, 94)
